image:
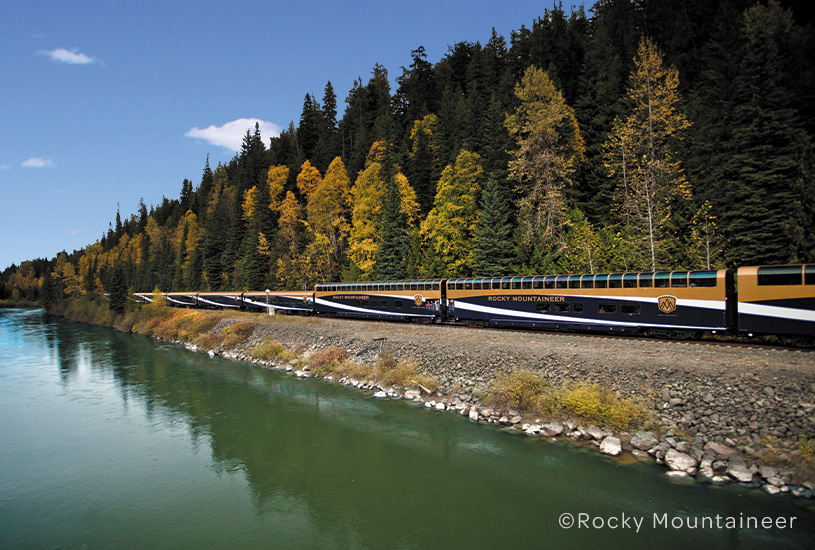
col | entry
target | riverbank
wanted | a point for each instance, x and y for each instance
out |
(719, 414)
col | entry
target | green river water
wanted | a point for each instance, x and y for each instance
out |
(110, 440)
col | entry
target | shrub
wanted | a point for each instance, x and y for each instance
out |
(391, 371)
(327, 360)
(269, 349)
(238, 333)
(599, 405)
(521, 390)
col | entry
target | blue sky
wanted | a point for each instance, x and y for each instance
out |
(106, 102)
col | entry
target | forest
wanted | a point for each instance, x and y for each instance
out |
(645, 135)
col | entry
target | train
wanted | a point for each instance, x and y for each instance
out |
(753, 301)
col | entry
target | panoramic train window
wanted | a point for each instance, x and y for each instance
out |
(615, 281)
(605, 307)
(574, 281)
(436, 286)
(630, 309)
(601, 281)
(578, 307)
(516, 283)
(506, 284)
(679, 280)
(809, 275)
(527, 283)
(630, 280)
(459, 285)
(662, 280)
(549, 282)
(702, 279)
(587, 281)
(477, 284)
(562, 307)
(543, 307)
(778, 276)
(562, 281)
(400, 286)
(468, 284)
(537, 283)
(646, 280)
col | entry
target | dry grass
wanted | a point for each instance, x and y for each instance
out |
(528, 393)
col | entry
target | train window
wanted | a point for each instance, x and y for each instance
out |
(414, 286)
(468, 285)
(587, 281)
(607, 308)
(397, 304)
(662, 280)
(630, 280)
(451, 285)
(809, 275)
(601, 281)
(516, 283)
(400, 286)
(477, 284)
(537, 283)
(679, 280)
(615, 281)
(527, 283)
(630, 309)
(436, 286)
(383, 303)
(549, 283)
(543, 307)
(506, 284)
(778, 276)
(574, 281)
(646, 280)
(578, 307)
(702, 279)
(562, 282)
(562, 307)
(459, 285)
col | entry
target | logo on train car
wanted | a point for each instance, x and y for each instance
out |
(418, 299)
(666, 304)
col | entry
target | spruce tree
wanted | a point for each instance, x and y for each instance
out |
(494, 251)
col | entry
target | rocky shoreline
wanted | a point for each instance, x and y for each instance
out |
(724, 414)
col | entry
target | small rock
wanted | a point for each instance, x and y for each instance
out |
(644, 441)
(679, 461)
(473, 414)
(380, 394)
(552, 429)
(738, 471)
(771, 489)
(611, 446)
(595, 432)
(719, 451)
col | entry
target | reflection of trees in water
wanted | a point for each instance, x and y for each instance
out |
(301, 444)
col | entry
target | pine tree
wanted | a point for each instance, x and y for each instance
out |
(494, 252)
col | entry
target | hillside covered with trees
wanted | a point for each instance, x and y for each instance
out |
(653, 135)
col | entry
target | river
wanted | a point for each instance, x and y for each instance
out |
(112, 440)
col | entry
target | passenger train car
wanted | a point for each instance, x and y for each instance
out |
(761, 300)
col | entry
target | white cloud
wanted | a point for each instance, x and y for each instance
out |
(230, 135)
(36, 162)
(4, 166)
(71, 57)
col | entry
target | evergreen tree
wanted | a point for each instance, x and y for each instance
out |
(117, 289)
(494, 252)
(393, 243)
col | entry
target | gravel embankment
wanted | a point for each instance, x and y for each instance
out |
(723, 411)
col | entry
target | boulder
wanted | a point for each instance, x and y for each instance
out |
(678, 461)
(611, 446)
(552, 429)
(644, 441)
(595, 432)
(473, 414)
(719, 451)
(738, 471)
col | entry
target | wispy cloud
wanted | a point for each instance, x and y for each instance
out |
(71, 57)
(4, 166)
(230, 135)
(37, 162)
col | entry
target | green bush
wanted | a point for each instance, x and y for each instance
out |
(521, 390)
(269, 350)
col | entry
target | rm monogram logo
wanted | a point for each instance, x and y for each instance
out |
(666, 304)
